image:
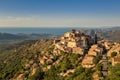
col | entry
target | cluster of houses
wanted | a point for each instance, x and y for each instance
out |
(95, 50)
(74, 42)
(77, 42)
(112, 47)
(99, 48)
(115, 49)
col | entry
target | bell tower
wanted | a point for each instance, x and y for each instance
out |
(95, 38)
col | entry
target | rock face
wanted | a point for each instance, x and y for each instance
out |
(74, 42)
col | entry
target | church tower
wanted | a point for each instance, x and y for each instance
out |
(95, 38)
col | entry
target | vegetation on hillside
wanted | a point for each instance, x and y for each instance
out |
(25, 62)
(114, 72)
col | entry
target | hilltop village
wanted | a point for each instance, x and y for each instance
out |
(74, 42)
(79, 43)
(88, 46)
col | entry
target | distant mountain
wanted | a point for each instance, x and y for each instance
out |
(20, 36)
(114, 28)
(110, 33)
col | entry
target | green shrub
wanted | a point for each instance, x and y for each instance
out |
(99, 67)
(113, 54)
(97, 59)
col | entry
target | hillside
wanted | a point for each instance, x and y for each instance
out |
(36, 61)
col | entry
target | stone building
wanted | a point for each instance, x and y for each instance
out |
(74, 41)
(115, 48)
(78, 50)
(88, 61)
(95, 50)
(115, 60)
(73, 44)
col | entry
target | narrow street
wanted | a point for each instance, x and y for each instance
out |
(105, 65)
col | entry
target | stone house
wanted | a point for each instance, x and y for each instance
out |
(115, 60)
(115, 48)
(72, 44)
(60, 46)
(67, 34)
(88, 61)
(95, 50)
(92, 52)
(78, 50)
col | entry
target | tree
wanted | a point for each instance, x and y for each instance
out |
(74, 59)
(99, 67)
(115, 72)
(113, 54)
(78, 71)
(100, 74)
(87, 70)
(97, 59)
(65, 64)
(51, 74)
(39, 75)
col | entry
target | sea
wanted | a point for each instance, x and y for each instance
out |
(55, 31)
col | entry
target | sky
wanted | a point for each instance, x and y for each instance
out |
(59, 13)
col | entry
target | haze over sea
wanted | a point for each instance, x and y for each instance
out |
(56, 31)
